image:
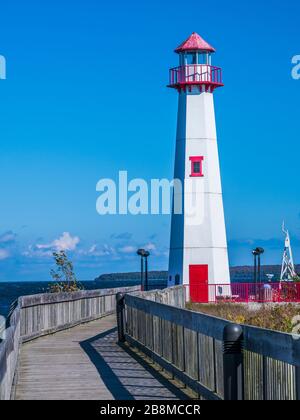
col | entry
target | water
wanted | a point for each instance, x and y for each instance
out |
(9, 292)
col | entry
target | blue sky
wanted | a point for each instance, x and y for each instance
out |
(86, 96)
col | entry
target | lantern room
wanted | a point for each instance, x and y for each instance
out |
(188, 58)
(195, 66)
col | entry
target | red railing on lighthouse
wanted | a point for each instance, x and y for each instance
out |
(196, 75)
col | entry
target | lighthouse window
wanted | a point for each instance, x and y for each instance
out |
(203, 58)
(191, 58)
(197, 166)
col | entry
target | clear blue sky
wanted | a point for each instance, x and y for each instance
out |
(86, 96)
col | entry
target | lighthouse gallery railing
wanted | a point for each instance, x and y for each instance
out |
(196, 74)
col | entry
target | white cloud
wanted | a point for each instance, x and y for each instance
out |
(4, 254)
(92, 249)
(150, 246)
(96, 251)
(34, 251)
(127, 249)
(7, 237)
(44, 246)
(66, 242)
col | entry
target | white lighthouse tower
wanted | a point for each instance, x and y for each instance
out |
(198, 248)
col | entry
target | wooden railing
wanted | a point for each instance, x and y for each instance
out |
(9, 351)
(190, 345)
(174, 296)
(48, 313)
(38, 315)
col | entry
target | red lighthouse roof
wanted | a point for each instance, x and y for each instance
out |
(194, 42)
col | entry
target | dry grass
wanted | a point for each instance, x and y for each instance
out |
(273, 317)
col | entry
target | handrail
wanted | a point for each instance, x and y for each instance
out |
(275, 344)
(51, 298)
(189, 345)
(43, 314)
(12, 308)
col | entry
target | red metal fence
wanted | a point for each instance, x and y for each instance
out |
(245, 292)
(196, 74)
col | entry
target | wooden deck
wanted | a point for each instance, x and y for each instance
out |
(86, 363)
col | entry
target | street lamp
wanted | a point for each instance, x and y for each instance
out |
(140, 252)
(144, 255)
(257, 252)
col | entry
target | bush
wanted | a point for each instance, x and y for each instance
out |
(277, 317)
(63, 275)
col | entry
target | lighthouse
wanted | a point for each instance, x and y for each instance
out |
(198, 245)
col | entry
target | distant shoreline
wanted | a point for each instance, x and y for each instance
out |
(238, 273)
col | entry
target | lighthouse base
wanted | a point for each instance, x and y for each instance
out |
(199, 270)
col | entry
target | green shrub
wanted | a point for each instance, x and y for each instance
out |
(63, 275)
(274, 317)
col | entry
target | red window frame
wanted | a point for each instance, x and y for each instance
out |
(197, 159)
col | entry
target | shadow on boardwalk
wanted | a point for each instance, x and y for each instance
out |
(124, 373)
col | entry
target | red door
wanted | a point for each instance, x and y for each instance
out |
(199, 283)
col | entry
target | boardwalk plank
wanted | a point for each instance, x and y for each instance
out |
(86, 363)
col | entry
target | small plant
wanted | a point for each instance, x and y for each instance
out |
(225, 298)
(274, 316)
(63, 275)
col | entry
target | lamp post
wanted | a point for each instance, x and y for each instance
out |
(140, 252)
(257, 252)
(254, 253)
(144, 255)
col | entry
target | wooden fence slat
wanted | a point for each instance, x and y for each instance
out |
(192, 344)
(178, 346)
(297, 382)
(207, 361)
(191, 355)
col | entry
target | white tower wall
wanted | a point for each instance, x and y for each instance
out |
(200, 240)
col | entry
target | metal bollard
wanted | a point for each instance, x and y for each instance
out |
(233, 362)
(120, 298)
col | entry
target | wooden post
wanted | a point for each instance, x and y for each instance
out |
(121, 317)
(233, 362)
(297, 375)
(265, 378)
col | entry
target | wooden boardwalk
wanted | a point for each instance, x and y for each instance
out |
(86, 363)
